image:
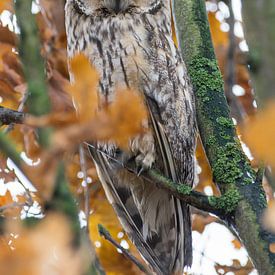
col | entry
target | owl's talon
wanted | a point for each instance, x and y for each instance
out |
(140, 170)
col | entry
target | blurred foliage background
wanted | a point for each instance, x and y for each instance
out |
(24, 251)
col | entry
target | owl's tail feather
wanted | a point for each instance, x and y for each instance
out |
(122, 200)
(157, 223)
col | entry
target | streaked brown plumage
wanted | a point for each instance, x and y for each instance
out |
(130, 44)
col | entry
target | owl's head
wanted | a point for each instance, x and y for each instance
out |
(114, 6)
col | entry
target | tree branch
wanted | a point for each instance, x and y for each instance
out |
(231, 169)
(38, 101)
(8, 149)
(105, 233)
(219, 206)
(9, 116)
(185, 193)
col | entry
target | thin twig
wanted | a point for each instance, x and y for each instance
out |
(20, 110)
(105, 233)
(11, 205)
(9, 116)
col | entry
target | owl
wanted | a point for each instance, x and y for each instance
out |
(130, 44)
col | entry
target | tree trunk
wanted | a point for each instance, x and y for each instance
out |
(232, 171)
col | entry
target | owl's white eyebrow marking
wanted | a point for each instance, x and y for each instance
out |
(116, 6)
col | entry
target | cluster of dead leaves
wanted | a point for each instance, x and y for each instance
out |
(236, 268)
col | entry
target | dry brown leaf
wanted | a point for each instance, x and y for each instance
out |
(199, 222)
(269, 216)
(7, 36)
(6, 5)
(6, 199)
(237, 244)
(44, 249)
(272, 248)
(84, 88)
(31, 145)
(6, 174)
(112, 261)
(259, 134)
(236, 268)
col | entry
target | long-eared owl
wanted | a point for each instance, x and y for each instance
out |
(130, 44)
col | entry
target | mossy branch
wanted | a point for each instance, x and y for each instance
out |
(218, 206)
(38, 101)
(8, 149)
(231, 169)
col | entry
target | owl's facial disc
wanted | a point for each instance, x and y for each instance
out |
(116, 5)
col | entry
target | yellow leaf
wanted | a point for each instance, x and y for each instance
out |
(6, 5)
(112, 261)
(260, 135)
(84, 87)
(44, 249)
(237, 244)
(272, 248)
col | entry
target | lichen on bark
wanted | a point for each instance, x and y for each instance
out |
(232, 171)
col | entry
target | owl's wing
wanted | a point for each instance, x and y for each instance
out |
(122, 200)
(156, 222)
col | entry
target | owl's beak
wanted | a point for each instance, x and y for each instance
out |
(117, 6)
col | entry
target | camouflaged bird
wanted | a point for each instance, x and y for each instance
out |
(130, 44)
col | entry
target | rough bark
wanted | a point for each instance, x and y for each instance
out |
(232, 171)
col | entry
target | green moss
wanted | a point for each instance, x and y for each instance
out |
(227, 168)
(225, 121)
(262, 197)
(205, 76)
(225, 136)
(211, 141)
(228, 201)
(247, 181)
(230, 165)
(184, 189)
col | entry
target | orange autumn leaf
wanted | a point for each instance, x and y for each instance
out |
(219, 37)
(6, 199)
(83, 90)
(259, 134)
(112, 261)
(236, 268)
(117, 122)
(43, 249)
(6, 5)
(199, 222)
(272, 248)
(237, 244)
(124, 117)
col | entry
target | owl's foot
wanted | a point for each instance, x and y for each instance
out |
(145, 161)
(144, 148)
